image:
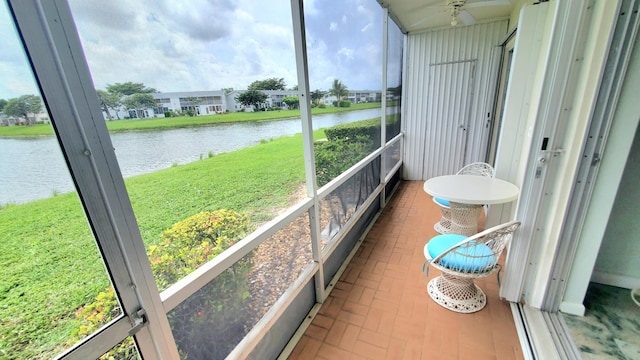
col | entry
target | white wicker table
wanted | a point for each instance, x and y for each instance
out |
(467, 194)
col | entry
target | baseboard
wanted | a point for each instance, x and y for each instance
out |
(621, 281)
(570, 308)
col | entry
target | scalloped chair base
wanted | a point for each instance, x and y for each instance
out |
(457, 294)
(443, 226)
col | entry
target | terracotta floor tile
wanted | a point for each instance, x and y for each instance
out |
(295, 354)
(371, 276)
(323, 321)
(336, 333)
(369, 351)
(340, 293)
(380, 308)
(367, 296)
(331, 352)
(408, 328)
(350, 337)
(316, 332)
(387, 305)
(371, 284)
(357, 357)
(412, 350)
(395, 351)
(351, 318)
(374, 338)
(331, 307)
(386, 323)
(310, 349)
(372, 321)
(355, 308)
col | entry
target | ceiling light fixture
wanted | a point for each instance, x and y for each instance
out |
(455, 11)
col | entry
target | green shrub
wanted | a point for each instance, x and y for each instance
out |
(336, 156)
(352, 131)
(345, 103)
(393, 125)
(215, 312)
(97, 314)
(365, 128)
(212, 321)
(194, 241)
(321, 106)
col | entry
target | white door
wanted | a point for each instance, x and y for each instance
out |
(449, 97)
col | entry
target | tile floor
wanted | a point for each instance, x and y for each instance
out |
(610, 328)
(380, 309)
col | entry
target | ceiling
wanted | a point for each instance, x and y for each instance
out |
(416, 15)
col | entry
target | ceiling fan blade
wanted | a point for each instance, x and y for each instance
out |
(466, 17)
(429, 17)
(481, 3)
(439, 4)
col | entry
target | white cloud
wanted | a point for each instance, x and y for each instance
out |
(212, 44)
(347, 53)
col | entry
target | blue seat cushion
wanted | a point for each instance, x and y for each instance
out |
(467, 259)
(442, 201)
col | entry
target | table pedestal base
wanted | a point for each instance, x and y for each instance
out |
(456, 293)
(464, 218)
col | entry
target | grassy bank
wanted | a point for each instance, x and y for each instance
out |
(50, 264)
(183, 121)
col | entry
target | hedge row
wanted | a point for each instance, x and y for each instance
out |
(363, 129)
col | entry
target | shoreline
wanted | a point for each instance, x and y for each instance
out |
(133, 125)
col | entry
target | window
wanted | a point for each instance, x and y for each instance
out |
(158, 204)
(218, 183)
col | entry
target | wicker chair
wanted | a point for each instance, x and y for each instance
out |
(462, 259)
(444, 225)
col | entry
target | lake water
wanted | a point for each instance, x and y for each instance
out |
(32, 169)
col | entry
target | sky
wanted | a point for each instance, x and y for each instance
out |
(212, 44)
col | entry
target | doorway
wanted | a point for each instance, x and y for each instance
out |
(449, 97)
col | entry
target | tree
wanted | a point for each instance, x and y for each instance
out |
(339, 90)
(291, 101)
(395, 91)
(253, 98)
(109, 101)
(23, 106)
(317, 95)
(129, 88)
(139, 101)
(192, 103)
(227, 90)
(268, 84)
(3, 102)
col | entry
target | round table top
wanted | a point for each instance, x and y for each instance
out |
(471, 189)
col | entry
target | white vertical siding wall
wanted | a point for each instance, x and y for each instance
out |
(477, 43)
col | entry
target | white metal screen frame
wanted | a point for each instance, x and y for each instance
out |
(53, 47)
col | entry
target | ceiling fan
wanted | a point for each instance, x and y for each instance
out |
(457, 9)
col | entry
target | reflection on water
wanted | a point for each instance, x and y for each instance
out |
(32, 169)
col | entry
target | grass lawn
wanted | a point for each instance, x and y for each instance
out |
(183, 121)
(49, 261)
